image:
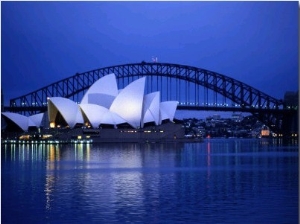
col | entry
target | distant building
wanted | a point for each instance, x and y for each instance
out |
(265, 131)
(216, 117)
(291, 99)
(237, 117)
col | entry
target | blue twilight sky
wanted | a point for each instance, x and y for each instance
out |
(253, 42)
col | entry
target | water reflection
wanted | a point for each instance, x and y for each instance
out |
(208, 162)
(50, 179)
(215, 181)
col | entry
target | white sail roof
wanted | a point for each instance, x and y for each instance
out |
(25, 122)
(167, 110)
(128, 104)
(105, 85)
(100, 115)
(68, 109)
(94, 113)
(37, 119)
(112, 118)
(151, 108)
(20, 120)
(101, 99)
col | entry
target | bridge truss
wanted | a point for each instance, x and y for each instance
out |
(194, 88)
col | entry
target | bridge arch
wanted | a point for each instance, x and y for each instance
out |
(238, 92)
(175, 82)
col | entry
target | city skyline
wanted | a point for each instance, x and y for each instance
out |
(253, 42)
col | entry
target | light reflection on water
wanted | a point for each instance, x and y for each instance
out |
(217, 181)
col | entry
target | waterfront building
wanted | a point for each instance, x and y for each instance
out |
(102, 104)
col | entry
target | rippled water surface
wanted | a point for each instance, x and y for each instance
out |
(217, 181)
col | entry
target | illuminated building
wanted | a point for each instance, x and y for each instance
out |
(103, 104)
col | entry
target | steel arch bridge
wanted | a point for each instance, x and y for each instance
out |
(194, 88)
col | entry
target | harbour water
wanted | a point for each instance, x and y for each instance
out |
(216, 181)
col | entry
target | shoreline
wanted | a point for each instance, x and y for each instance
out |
(165, 133)
(91, 141)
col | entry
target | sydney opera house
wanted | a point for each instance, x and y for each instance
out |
(102, 106)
